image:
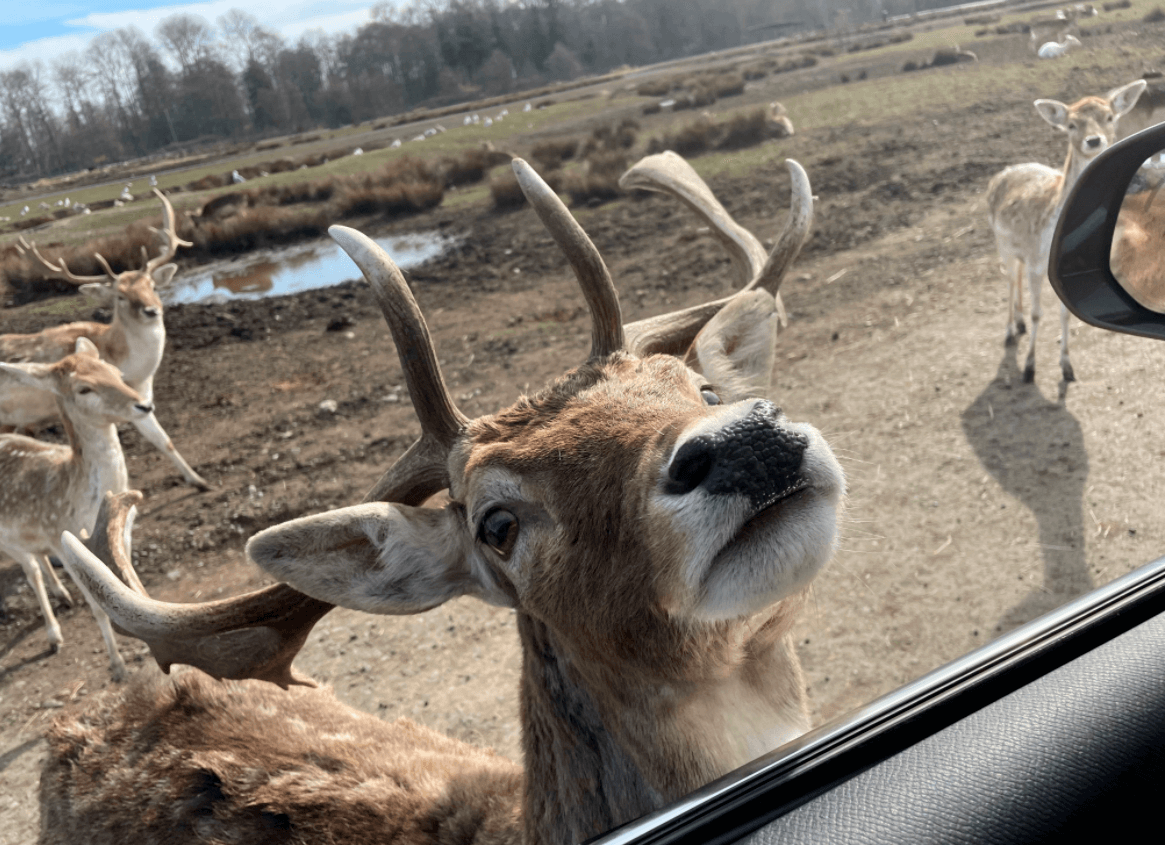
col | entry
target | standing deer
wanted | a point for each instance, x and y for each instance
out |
(133, 342)
(46, 488)
(1024, 201)
(652, 520)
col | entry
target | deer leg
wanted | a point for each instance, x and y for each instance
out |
(116, 663)
(152, 430)
(1029, 367)
(54, 583)
(32, 571)
(1015, 326)
(1065, 364)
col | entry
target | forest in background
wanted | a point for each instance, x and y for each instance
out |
(129, 94)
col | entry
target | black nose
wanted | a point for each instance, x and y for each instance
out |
(1092, 140)
(754, 457)
(150, 312)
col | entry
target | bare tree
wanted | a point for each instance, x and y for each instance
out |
(188, 37)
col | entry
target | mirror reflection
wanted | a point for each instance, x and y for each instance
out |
(1136, 260)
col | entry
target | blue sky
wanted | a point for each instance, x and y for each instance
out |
(43, 29)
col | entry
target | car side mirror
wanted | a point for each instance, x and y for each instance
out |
(1107, 261)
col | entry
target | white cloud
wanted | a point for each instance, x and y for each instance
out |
(290, 19)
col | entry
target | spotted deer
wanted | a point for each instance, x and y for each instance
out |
(653, 520)
(47, 488)
(1024, 201)
(133, 342)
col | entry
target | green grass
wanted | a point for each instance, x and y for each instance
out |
(455, 140)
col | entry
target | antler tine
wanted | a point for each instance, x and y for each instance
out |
(111, 540)
(593, 276)
(673, 333)
(256, 635)
(62, 269)
(168, 236)
(669, 173)
(441, 421)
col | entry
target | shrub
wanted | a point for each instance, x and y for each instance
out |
(550, 154)
(505, 191)
(654, 88)
(598, 181)
(689, 140)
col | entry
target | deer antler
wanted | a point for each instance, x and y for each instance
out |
(670, 174)
(256, 635)
(62, 269)
(593, 276)
(168, 236)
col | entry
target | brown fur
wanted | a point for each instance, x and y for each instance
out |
(250, 773)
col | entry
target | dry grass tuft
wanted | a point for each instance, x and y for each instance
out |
(745, 129)
(550, 154)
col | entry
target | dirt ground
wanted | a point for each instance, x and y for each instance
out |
(976, 501)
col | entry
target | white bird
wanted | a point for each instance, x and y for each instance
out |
(359, 151)
(467, 120)
(24, 211)
(527, 107)
(236, 178)
(395, 143)
(153, 181)
(1056, 49)
(419, 138)
(487, 122)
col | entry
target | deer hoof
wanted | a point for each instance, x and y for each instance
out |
(1069, 375)
(1029, 373)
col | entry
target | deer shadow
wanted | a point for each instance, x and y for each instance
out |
(1034, 448)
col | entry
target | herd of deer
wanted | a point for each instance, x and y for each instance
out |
(650, 515)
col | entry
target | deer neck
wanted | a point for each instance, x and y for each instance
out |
(1074, 165)
(96, 466)
(604, 745)
(134, 349)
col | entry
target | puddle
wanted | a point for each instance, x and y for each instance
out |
(319, 264)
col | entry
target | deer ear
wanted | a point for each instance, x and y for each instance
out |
(33, 375)
(1053, 111)
(376, 557)
(1124, 98)
(101, 291)
(735, 349)
(164, 274)
(86, 347)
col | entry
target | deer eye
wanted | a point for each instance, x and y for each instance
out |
(1072, 126)
(499, 531)
(83, 390)
(710, 398)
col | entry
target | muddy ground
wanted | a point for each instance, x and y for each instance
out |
(976, 501)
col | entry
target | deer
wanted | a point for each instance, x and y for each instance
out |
(51, 488)
(1136, 258)
(651, 518)
(133, 341)
(1024, 201)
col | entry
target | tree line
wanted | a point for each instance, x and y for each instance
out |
(128, 94)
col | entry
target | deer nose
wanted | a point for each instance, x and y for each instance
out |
(1093, 141)
(145, 408)
(755, 456)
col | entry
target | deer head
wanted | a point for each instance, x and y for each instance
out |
(1091, 122)
(132, 293)
(84, 384)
